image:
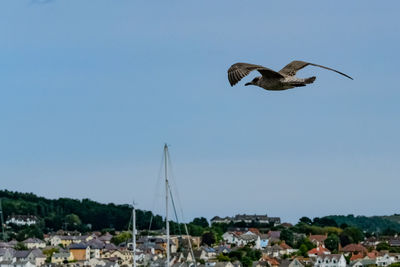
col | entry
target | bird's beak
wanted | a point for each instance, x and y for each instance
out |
(247, 84)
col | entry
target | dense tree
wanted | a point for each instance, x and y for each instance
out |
(254, 254)
(222, 257)
(30, 231)
(305, 220)
(121, 237)
(345, 239)
(72, 221)
(332, 242)
(302, 250)
(208, 238)
(375, 224)
(200, 222)
(247, 261)
(389, 232)
(20, 246)
(324, 221)
(382, 246)
(353, 234)
(92, 214)
(306, 242)
(288, 236)
(236, 255)
(195, 230)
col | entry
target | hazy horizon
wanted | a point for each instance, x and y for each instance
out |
(187, 220)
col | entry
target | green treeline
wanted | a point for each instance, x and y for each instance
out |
(73, 214)
(375, 224)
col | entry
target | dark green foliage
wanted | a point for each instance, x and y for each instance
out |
(56, 213)
(121, 237)
(382, 246)
(348, 257)
(246, 261)
(254, 255)
(324, 221)
(306, 242)
(303, 250)
(304, 245)
(20, 246)
(236, 255)
(208, 238)
(389, 232)
(222, 257)
(29, 231)
(351, 235)
(332, 242)
(245, 255)
(200, 222)
(287, 236)
(345, 240)
(195, 230)
(376, 224)
(222, 226)
(305, 220)
(397, 264)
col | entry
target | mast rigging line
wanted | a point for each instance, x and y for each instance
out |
(157, 187)
(171, 176)
(168, 176)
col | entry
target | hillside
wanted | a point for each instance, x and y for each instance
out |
(74, 214)
(377, 224)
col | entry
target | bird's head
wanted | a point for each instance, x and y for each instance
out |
(254, 81)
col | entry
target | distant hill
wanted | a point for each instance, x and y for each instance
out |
(377, 224)
(74, 214)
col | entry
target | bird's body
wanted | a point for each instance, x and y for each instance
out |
(272, 80)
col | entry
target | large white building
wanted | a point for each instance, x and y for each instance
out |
(263, 219)
(22, 220)
(330, 260)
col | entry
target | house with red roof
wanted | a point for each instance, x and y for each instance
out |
(271, 261)
(354, 249)
(318, 251)
(318, 240)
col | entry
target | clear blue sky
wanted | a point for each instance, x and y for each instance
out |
(90, 91)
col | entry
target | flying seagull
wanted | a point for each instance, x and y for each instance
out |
(272, 80)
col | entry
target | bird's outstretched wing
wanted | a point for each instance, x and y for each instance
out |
(239, 70)
(296, 65)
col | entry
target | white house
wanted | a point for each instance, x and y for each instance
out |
(330, 260)
(32, 243)
(385, 260)
(17, 264)
(230, 237)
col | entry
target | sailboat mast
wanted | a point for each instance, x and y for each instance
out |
(166, 199)
(134, 234)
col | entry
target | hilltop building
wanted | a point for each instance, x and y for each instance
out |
(21, 220)
(262, 219)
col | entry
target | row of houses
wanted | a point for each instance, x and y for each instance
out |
(261, 219)
(9, 256)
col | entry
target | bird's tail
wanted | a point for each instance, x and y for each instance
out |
(310, 80)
